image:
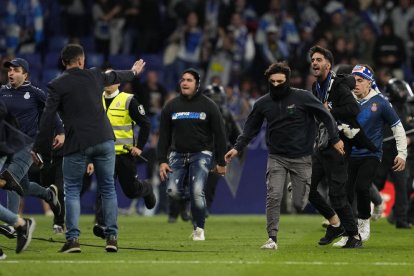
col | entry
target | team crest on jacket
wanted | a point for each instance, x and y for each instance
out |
(203, 116)
(374, 107)
(26, 95)
(141, 110)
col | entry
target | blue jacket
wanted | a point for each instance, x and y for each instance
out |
(26, 104)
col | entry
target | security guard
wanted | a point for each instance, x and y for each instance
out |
(124, 112)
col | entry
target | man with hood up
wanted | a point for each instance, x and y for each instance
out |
(191, 129)
(290, 134)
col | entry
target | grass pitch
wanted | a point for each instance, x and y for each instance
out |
(151, 246)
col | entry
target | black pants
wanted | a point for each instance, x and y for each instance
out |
(131, 185)
(361, 173)
(332, 166)
(52, 173)
(400, 184)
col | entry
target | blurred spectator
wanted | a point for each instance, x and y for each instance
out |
(375, 15)
(108, 25)
(131, 30)
(24, 26)
(151, 94)
(366, 45)
(150, 20)
(273, 49)
(389, 50)
(75, 18)
(189, 40)
(401, 15)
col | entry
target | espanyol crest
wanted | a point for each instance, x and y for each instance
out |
(203, 116)
(27, 95)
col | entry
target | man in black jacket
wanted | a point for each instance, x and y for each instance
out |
(191, 128)
(334, 91)
(77, 94)
(290, 114)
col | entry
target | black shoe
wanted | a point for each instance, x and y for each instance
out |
(54, 200)
(24, 234)
(353, 242)
(11, 183)
(111, 244)
(331, 234)
(8, 231)
(71, 246)
(150, 200)
(99, 231)
(2, 255)
(402, 225)
(172, 219)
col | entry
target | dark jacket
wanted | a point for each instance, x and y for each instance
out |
(345, 109)
(192, 125)
(290, 129)
(77, 95)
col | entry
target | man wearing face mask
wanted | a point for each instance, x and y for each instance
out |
(290, 133)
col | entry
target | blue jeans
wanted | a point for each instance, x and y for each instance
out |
(74, 166)
(191, 170)
(6, 215)
(18, 167)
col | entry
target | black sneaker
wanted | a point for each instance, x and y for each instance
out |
(2, 255)
(24, 234)
(402, 225)
(71, 246)
(11, 183)
(54, 200)
(331, 234)
(150, 200)
(99, 231)
(353, 242)
(8, 231)
(111, 244)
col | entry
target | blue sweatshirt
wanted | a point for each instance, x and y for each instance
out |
(26, 104)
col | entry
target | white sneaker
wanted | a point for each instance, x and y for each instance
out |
(57, 229)
(198, 234)
(377, 211)
(364, 229)
(341, 242)
(270, 244)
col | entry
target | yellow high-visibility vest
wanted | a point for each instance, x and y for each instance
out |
(121, 122)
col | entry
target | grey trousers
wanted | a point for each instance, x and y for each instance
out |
(300, 170)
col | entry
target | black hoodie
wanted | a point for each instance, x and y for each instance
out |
(192, 125)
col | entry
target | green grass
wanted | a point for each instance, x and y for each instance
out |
(151, 246)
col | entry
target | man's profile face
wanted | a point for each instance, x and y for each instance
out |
(188, 84)
(320, 65)
(277, 79)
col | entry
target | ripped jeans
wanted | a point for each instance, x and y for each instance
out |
(187, 180)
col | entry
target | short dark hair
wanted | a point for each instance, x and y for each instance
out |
(325, 52)
(70, 53)
(278, 68)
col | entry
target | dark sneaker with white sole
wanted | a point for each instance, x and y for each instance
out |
(71, 246)
(8, 231)
(54, 200)
(99, 231)
(353, 242)
(24, 234)
(11, 183)
(331, 234)
(111, 244)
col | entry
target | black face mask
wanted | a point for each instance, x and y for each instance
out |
(279, 92)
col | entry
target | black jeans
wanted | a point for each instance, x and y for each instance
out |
(361, 173)
(400, 183)
(332, 166)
